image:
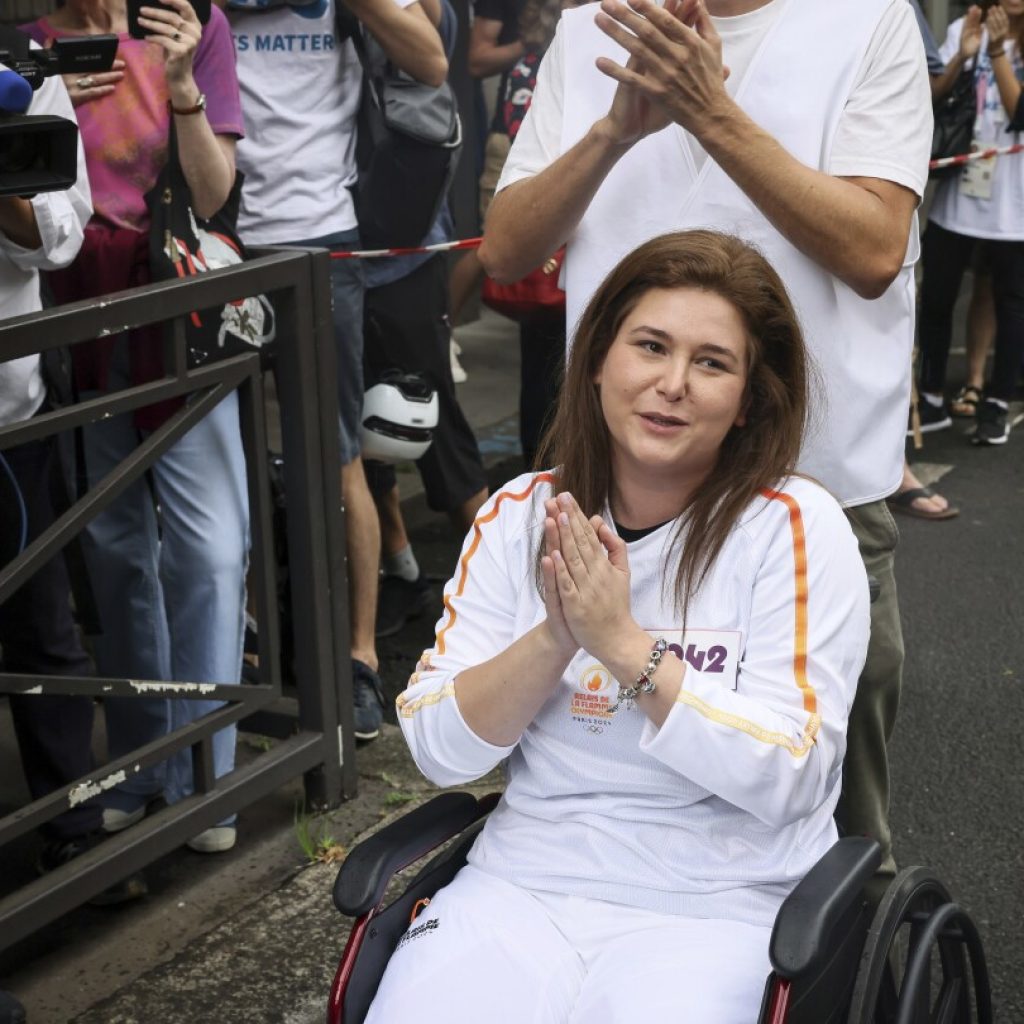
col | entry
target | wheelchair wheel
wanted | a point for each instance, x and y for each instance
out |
(914, 968)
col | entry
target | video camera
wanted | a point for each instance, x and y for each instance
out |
(39, 153)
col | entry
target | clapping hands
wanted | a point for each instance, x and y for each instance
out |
(674, 71)
(997, 21)
(970, 33)
(586, 578)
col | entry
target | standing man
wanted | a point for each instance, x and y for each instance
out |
(805, 128)
(300, 95)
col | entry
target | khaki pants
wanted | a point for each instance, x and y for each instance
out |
(864, 804)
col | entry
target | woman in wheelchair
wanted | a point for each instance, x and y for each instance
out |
(662, 634)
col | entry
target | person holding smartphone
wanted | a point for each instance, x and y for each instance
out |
(169, 574)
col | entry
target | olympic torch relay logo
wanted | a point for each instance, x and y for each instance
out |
(591, 698)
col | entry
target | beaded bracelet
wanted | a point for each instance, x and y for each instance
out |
(644, 683)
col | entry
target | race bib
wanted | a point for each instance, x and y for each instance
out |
(714, 653)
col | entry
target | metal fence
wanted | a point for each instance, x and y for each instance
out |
(316, 720)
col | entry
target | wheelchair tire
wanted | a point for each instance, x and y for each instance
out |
(885, 993)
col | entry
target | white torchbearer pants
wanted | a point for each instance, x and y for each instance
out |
(487, 950)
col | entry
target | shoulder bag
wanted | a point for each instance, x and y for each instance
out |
(182, 245)
(407, 148)
(955, 114)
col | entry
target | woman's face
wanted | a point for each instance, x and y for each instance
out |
(673, 383)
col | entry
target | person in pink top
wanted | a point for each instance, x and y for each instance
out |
(168, 568)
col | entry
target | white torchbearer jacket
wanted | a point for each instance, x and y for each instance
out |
(724, 808)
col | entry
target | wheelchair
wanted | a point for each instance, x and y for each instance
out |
(917, 959)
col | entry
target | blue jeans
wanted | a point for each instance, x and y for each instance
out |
(168, 570)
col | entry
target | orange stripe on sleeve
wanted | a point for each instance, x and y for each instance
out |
(811, 729)
(472, 549)
(796, 526)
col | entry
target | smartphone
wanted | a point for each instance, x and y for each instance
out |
(136, 31)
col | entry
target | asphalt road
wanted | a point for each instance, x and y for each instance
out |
(957, 771)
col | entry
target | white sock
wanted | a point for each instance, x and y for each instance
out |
(933, 400)
(402, 563)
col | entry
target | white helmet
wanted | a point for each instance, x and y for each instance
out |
(399, 416)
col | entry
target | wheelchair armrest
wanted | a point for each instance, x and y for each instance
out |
(801, 936)
(365, 873)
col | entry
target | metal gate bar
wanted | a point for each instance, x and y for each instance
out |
(321, 749)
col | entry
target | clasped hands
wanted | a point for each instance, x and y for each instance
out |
(674, 72)
(585, 570)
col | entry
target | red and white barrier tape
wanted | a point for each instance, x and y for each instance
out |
(412, 250)
(474, 243)
(981, 154)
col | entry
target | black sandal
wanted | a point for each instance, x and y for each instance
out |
(965, 402)
(903, 503)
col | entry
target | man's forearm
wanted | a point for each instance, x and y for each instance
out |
(492, 60)
(18, 222)
(845, 227)
(529, 220)
(942, 84)
(406, 36)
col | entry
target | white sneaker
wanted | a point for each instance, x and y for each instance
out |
(115, 820)
(218, 839)
(454, 351)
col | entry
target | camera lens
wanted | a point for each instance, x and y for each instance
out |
(20, 153)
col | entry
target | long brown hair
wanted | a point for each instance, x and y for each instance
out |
(752, 457)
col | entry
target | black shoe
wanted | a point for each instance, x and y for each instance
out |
(58, 852)
(401, 600)
(367, 701)
(933, 417)
(993, 425)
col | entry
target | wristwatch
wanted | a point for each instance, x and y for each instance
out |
(197, 108)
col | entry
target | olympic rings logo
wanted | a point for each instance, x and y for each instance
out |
(596, 729)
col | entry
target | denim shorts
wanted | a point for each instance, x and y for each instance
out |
(347, 289)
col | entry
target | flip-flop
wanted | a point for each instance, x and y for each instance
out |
(903, 503)
(965, 402)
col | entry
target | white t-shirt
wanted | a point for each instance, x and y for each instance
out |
(996, 209)
(61, 218)
(889, 90)
(722, 810)
(300, 95)
(872, 120)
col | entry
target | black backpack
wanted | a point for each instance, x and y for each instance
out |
(407, 148)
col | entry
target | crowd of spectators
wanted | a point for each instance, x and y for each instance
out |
(576, 153)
